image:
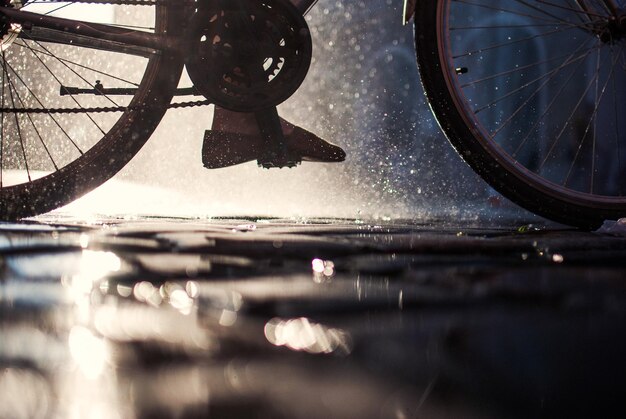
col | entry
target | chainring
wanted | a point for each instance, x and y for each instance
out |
(248, 55)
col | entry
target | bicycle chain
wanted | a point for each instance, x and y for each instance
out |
(177, 105)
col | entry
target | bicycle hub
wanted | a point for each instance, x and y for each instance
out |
(614, 29)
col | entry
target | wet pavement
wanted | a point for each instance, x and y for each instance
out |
(270, 318)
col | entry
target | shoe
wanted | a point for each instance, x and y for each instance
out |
(223, 149)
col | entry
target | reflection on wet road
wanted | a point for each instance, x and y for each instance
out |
(325, 318)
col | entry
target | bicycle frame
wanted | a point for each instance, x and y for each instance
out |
(95, 35)
(88, 34)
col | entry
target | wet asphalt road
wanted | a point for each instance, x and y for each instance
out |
(269, 318)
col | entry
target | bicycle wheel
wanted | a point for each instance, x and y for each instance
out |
(531, 95)
(74, 110)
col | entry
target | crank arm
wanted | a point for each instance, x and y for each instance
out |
(275, 149)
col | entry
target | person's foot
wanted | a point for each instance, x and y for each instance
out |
(234, 138)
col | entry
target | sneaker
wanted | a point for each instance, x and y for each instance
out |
(223, 149)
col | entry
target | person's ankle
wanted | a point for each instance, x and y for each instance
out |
(236, 122)
(241, 123)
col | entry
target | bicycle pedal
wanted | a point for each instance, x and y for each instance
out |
(290, 164)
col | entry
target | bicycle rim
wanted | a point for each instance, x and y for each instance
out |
(56, 144)
(531, 95)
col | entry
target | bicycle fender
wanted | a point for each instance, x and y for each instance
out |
(408, 10)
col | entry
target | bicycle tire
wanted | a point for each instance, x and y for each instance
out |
(108, 154)
(442, 26)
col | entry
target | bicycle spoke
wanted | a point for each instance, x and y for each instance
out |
(509, 43)
(595, 121)
(54, 120)
(2, 130)
(569, 119)
(514, 70)
(119, 25)
(610, 7)
(77, 64)
(516, 13)
(530, 6)
(30, 119)
(548, 77)
(592, 119)
(535, 25)
(548, 108)
(571, 9)
(57, 9)
(61, 85)
(530, 83)
(617, 133)
(93, 86)
(17, 122)
(579, 17)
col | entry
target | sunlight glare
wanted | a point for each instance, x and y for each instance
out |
(89, 352)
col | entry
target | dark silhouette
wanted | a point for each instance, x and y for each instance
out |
(235, 138)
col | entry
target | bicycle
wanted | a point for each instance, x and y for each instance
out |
(544, 126)
(508, 118)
